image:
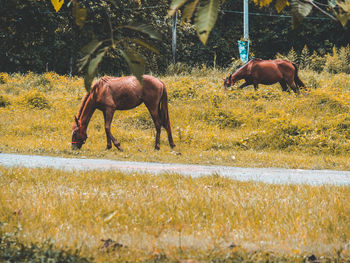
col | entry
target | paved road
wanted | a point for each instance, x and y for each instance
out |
(266, 175)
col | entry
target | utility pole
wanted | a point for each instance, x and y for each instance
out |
(174, 37)
(245, 20)
(243, 45)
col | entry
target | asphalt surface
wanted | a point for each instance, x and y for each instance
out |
(266, 175)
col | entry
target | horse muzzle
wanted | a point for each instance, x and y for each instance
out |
(77, 145)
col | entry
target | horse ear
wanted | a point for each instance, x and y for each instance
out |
(76, 120)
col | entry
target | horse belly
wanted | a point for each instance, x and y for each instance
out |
(269, 76)
(127, 101)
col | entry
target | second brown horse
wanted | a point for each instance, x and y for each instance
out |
(109, 94)
(267, 72)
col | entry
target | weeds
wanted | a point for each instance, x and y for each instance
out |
(209, 123)
(169, 217)
(112, 216)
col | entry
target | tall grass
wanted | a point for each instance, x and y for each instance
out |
(48, 213)
(264, 128)
(111, 216)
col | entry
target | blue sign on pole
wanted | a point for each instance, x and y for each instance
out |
(243, 47)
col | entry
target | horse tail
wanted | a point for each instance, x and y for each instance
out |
(297, 80)
(163, 109)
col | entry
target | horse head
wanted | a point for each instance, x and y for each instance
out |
(78, 136)
(228, 82)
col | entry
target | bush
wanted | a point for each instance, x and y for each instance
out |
(4, 101)
(278, 134)
(317, 62)
(224, 119)
(4, 78)
(339, 61)
(35, 99)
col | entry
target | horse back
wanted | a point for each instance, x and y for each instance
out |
(265, 72)
(123, 93)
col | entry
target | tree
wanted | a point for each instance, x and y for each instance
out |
(205, 12)
(117, 41)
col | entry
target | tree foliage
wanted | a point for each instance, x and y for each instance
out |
(34, 37)
(207, 10)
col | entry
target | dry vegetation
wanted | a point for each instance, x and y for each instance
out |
(267, 128)
(170, 217)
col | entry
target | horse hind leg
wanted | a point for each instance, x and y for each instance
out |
(108, 116)
(294, 87)
(153, 110)
(284, 85)
(164, 114)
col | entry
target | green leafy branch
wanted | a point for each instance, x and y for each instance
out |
(95, 51)
(205, 12)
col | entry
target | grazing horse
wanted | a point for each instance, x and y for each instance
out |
(109, 94)
(267, 72)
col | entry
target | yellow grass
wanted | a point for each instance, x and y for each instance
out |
(174, 216)
(170, 217)
(267, 128)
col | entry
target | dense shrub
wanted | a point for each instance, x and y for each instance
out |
(222, 118)
(3, 78)
(35, 99)
(339, 61)
(4, 101)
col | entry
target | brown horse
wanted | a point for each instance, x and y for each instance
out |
(109, 94)
(267, 72)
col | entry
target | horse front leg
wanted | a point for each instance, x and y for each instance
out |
(245, 84)
(108, 116)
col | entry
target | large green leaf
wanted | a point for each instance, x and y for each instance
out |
(92, 69)
(144, 44)
(205, 18)
(300, 9)
(189, 10)
(88, 49)
(91, 46)
(145, 29)
(175, 5)
(135, 61)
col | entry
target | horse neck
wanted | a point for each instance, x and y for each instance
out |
(86, 111)
(240, 73)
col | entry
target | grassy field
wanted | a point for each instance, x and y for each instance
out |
(267, 128)
(172, 218)
(47, 213)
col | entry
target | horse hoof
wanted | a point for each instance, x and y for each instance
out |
(157, 147)
(108, 147)
(172, 145)
(119, 149)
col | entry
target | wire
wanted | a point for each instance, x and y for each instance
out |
(273, 15)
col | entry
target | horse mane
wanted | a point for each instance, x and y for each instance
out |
(82, 104)
(86, 96)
